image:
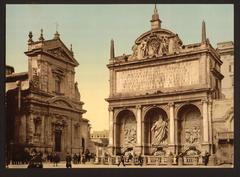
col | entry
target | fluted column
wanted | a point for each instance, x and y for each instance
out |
(205, 121)
(139, 125)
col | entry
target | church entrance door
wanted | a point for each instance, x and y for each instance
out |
(58, 136)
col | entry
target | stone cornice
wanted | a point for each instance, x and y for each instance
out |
(119, 98)
(162, 59)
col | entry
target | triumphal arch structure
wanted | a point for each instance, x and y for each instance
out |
(161, 95)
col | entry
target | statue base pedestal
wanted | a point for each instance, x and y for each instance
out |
(138, 150)
(171, 149)
(212, 160)
(180, 161)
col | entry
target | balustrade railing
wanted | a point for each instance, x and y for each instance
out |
(151, 160)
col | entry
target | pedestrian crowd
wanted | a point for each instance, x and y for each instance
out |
(35, 158)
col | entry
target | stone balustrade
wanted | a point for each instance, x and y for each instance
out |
(153, 160)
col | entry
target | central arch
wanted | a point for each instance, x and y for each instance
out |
(126, 131)
(155, 130)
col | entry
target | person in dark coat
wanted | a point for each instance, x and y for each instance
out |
(140, 159)
(206, 158)
(121, 160)
(79, 158)
(75, 158)
(83, 159)
(56, 159)
(36, 161)
(68, 161)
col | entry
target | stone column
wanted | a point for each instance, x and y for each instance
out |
(205, 144)
(138, 148)
(111, 130)
(97, 154)
(139, 126)
(210, 125)
(42, 128)
(30, 128)
(110, 109)
(114, 148)
(171, 127)
(205, 121)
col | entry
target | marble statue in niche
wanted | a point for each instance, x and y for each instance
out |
(159, 131)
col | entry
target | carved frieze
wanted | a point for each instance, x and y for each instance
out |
(156, 44)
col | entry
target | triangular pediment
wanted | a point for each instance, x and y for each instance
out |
(61, 101)
(58, 49)
(59, 53)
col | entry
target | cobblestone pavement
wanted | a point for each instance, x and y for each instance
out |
(89, 165)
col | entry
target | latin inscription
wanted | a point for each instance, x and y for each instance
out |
(158, 77)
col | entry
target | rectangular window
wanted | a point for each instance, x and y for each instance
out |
(57, 85)
(230, 69)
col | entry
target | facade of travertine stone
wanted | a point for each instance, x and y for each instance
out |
(44, 110)
(162, 96)
(226, 51)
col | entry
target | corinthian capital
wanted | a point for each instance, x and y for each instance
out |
(205, 100)
(110, 108)
(170, 104)
(138, 106)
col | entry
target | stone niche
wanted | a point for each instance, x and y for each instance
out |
(126, 130)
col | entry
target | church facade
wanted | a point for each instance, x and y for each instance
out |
(162, 96)
(44, 110)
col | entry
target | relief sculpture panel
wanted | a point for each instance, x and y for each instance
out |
(129, 132)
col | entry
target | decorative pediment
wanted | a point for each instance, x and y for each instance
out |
(61, 101)
(156, 44)
(60, 53)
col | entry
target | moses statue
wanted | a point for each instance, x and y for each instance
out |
(159, 131)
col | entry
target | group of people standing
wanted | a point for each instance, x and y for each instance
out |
(130, 157)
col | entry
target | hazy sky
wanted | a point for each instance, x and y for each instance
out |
(89, 28)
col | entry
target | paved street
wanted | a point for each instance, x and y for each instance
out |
(88, 165)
